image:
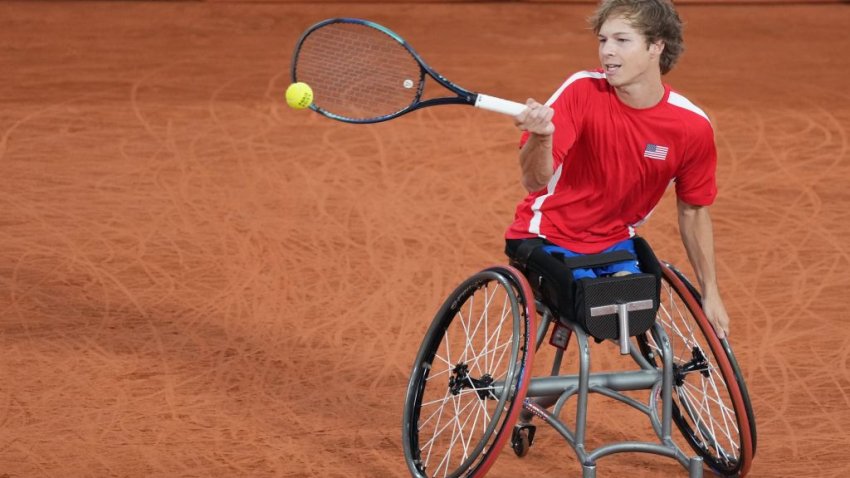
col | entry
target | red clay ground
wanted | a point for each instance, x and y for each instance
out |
(197, 281)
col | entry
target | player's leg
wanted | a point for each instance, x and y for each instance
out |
(621, 268)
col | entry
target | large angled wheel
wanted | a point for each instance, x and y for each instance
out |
(711, 406)
(470, 376)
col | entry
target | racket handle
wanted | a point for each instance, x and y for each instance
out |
(491, 103)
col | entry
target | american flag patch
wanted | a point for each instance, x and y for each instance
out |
(653, 151)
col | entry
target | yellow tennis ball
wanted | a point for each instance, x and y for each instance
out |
(299, 96)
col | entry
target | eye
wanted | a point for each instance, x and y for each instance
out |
(623, 40)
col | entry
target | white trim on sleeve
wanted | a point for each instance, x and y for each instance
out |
(571, 80)
(676, 99)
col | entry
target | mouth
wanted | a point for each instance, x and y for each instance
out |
(611, 68)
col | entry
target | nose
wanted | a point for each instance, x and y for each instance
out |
(606, 48)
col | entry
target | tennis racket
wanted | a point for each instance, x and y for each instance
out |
(362, 72)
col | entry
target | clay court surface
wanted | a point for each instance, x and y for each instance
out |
(196, 281)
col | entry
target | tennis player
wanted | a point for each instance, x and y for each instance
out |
(598, 156)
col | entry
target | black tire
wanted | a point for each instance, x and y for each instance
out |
(470, 376)
(711, 405)
(522, 438)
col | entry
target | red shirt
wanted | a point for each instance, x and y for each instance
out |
(613, 163)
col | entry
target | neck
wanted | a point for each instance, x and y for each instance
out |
(641, 95)
(643, 91)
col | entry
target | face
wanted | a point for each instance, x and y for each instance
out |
(625, 56)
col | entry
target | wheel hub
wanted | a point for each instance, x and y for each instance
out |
(698, 363)
(460, 380)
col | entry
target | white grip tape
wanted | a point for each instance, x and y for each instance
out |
(491, 103)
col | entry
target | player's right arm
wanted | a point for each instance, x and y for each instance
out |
(535, 157)
(543, 151)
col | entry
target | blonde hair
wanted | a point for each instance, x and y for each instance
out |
(655, 19)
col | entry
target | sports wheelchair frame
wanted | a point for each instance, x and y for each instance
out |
(471, 389)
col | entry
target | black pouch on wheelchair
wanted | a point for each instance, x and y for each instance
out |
(598, 301)
(594, 303)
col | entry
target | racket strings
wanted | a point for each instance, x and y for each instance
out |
(357, 72)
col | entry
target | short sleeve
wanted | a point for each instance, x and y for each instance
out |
(696, 181)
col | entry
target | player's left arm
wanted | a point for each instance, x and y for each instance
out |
(696, 189)
(697, 234)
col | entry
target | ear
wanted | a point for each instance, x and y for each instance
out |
(656, 48)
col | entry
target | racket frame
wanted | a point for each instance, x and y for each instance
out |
(464, 96)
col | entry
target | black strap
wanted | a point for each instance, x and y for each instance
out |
(526, 247)
(597, 260)
(521, 253)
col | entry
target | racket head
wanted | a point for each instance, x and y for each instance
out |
(362, 72)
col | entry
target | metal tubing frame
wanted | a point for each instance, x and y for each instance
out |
(609, 384)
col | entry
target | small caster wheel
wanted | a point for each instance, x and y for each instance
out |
(522, 438)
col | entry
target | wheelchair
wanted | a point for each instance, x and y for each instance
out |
(471, 391)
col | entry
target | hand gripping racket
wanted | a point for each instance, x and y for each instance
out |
(361, 72)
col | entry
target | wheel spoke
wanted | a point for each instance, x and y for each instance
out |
(704, 403)
(466, 390)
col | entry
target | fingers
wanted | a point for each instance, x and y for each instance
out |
(721, 330)
(536, 118)
(519, 120)
(720, 325)
(716, 314)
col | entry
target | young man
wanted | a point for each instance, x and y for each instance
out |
(598, 156)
